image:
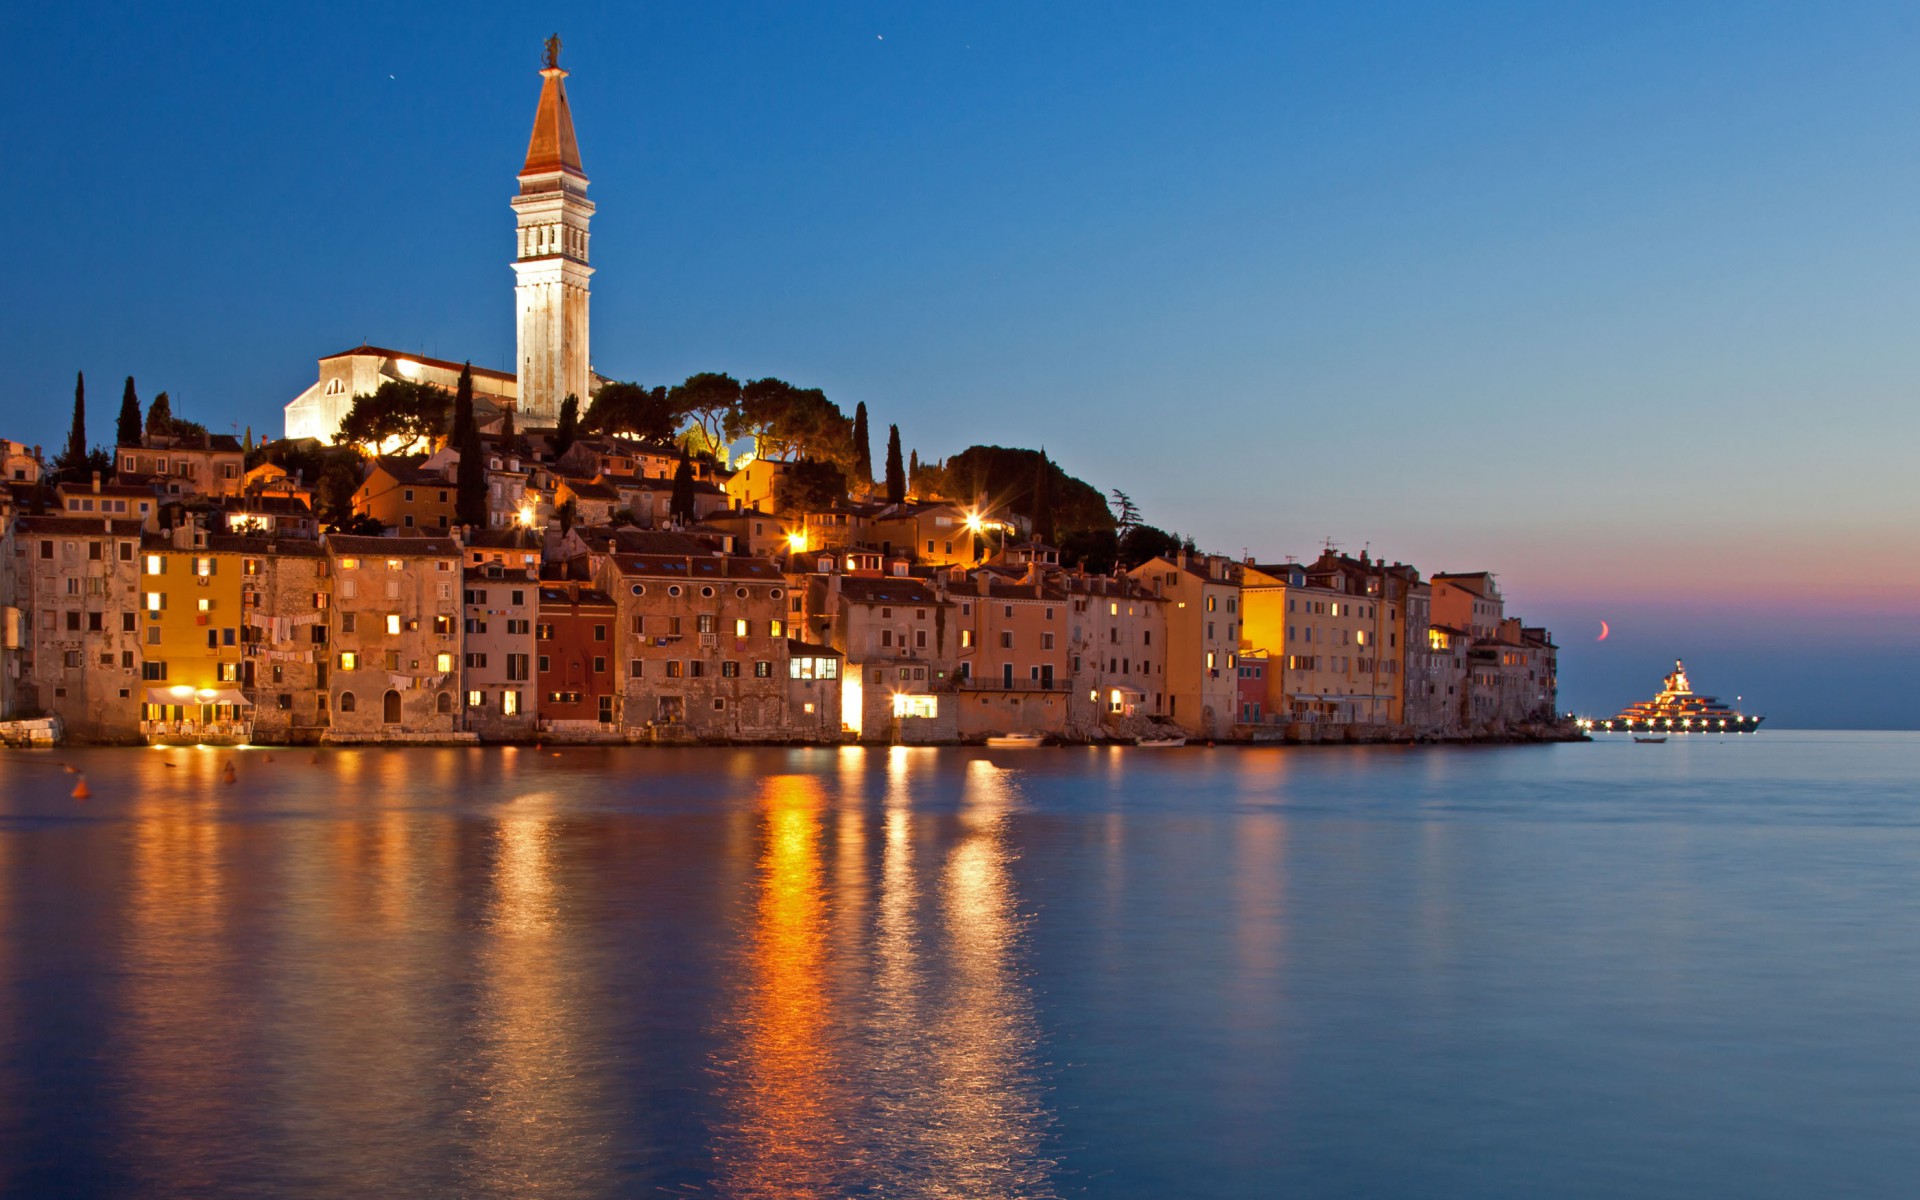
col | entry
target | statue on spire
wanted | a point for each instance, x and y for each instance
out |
(553, 52)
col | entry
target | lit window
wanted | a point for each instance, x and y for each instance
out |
(740, 627)
(443, 663)
(393, 623)
(156, 565)
(206, 606)
(156, 601)
(905, 705)
(349, 661)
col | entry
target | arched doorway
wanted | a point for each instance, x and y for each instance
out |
(391, 714)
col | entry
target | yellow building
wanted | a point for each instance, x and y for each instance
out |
(191, 622)
(1334, 646)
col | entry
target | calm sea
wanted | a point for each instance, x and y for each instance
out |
(1590, 970)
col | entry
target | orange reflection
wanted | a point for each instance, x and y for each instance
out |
(785, 1143)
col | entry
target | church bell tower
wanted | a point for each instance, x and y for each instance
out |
(551, 272)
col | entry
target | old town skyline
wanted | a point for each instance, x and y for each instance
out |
(1684, 560)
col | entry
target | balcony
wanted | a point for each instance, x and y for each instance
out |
(1018, 685)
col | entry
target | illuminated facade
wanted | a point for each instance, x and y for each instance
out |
(1203, 638)
(192, 617)
(395, 638)
(551, 274)
(73, 625)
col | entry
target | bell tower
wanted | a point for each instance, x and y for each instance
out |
(550, 271)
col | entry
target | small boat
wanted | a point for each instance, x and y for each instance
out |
(1160, 743)
(1651, 740)
(1017, 741)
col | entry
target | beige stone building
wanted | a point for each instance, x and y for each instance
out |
(396, 639)
(499, 604)
(1117, 637)
(288, 598)
(1203, 638)
(901, 643)
(77, 592)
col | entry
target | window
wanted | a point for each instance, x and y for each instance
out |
(153, 671)
(740, 627)
(443, 663)
(1006, 639)
(729, 670)
(705, 623)
(156, 602)
(346, 622)
(777, 629)
(546, 664)
(762, 669)
(634, 668)
(966, 639)
(346, 702)
(476, 662)
(393, 623)
(599, 665)
(599, 633)
(509, 703)
(675, 669)
(517, 667)
(476, 699)
(544, 633)
(349, 661)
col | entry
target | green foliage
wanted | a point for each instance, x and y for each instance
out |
(463, 405)
(710, 401)
(358, 525)
(862, 446)
(1005, 479)
(470, 483)
(569, 426)
(1143, 542)
(896, 470)
(788, 423)
(628, 409)
(160, 417)
(808, 486)
(128, 429)
(680, 504)
(411, 414)
(333, 472)
(73, 460)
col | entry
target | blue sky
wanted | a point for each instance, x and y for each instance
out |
(1614, 299)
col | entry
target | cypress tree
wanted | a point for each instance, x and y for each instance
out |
(127, 433)
(896, 472)
(1043, 500)
(569, 429)
(680, 504)
(76, 455)
(160, 416)
(862, 445)
(463, 406)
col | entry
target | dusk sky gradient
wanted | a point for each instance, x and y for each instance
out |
(1616, 300)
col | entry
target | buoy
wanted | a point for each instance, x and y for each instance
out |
(228, 774)
(69, 768)
(536, 745)
(80, 789)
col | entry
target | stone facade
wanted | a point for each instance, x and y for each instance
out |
(77, 582)
(396, 640)
(288, 657)
(499, 694)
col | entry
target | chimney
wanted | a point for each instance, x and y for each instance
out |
(1181, 558)
(96, 483)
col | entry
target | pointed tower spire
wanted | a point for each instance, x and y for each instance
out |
(553, 146)
(551, 274)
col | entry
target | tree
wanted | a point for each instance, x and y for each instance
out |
(630, 410)
(463, 405)
(862, 446)
(470, 484)
(160, 417)
(1143, 542)
(788, 423)
(402, 415)
(1129, 514)
(567, 513)
(511, 443)
(896, 471)
(129, 428)
(1042, 504)
(807, 486)
(569, 428)
(710, 401)
(74, 457)
(680, 504)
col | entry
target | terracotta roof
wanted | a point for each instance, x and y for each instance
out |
(507, 537)
(886, 591)
(106, 489)
(553, 146)
(392, 547)
(365, 351)
(408, 471)
(61, 524)
(684, 566)
(796, 647)
(584, 597)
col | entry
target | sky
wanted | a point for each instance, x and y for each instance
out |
(1615, 300)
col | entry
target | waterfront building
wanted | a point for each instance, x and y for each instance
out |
(1203, 638)
(813, 691)
(704, 645)
(403, 494)
(900, 643)
(750, 531)
(1118, 652)
(1469, 601)
(500, 605)
(76, 622)
(286, 594)
(395, 636)
(192, 616)
(1011, 659)
(1435, 669)
(577, 645)
(20, 463)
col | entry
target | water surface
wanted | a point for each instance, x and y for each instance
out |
(1587, 970)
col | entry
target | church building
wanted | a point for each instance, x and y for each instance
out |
(550, 295)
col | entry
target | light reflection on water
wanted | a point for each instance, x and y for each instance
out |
(1581, 970)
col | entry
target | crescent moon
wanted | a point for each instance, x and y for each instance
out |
(1604, 631)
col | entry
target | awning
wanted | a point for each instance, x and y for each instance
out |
(217, 696)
